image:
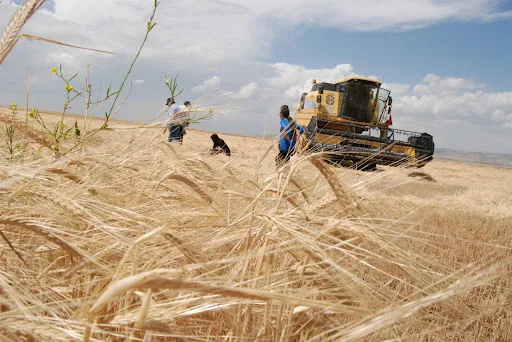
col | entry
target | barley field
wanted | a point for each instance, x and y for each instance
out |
(136, 239)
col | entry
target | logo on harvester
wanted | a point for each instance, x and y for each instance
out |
(329, 99)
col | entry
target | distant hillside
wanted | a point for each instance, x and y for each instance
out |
(500, 159)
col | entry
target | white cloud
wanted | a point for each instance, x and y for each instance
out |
(219, 30)
(294, 92)
(196, 33)
(368, 15)
(209, 16)
(434, 84)
(246, 91)
(397, 89)
(209, 84)
(454, 100)
(295, 79)
(289, 74)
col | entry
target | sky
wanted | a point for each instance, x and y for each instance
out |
(446, 62)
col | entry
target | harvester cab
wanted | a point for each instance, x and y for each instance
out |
(351, 120)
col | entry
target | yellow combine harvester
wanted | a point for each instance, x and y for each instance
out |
(350, 121)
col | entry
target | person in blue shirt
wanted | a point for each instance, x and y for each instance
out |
(288, 136)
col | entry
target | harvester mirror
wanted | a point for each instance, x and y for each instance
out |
(302, 98)
(320, 89)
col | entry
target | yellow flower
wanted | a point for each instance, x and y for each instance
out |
(14, 106)
(166, 80)
(32, 113)
(68, 87)
(54, 70)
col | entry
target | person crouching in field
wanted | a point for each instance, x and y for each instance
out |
(177, 120)
(288, 136)
(219, 146)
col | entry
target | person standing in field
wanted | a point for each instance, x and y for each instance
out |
(287, 136)
(173, 130)
(296, 138)
(177, 120)
(186, 108)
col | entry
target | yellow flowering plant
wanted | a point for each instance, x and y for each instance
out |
(10, 130)
(61, 131)
(172, 84)
(84, 134)
(15, 149)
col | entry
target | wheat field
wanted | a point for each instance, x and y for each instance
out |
(136, 239)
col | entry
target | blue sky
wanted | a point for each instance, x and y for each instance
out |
(479, 51)
(445, 62)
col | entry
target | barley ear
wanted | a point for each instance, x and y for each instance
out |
(11, 33)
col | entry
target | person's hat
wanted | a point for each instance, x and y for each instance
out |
(187, 103)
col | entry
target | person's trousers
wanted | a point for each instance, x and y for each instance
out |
(283, 157)
(175, 133)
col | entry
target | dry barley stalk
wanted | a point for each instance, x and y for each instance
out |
(11, 33)
(30, 37)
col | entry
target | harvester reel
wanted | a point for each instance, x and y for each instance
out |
(333, 158)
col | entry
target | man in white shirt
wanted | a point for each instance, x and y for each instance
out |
(177, 118)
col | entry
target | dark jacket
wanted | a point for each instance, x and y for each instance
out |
(219, 146)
